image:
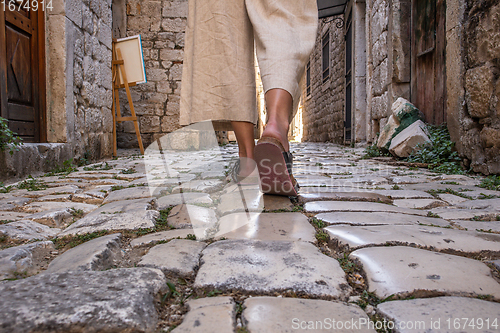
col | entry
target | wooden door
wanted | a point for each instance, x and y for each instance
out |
(22, 71)
(428, 59)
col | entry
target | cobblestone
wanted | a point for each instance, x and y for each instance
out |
(407, 232)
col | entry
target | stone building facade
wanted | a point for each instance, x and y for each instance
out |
(323, 97)
(442, 55)
(75, 99)
(161, 25)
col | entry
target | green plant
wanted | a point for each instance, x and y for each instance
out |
(439, 153)
(66, 168)
(31, 184)
(369, 298)
(76, 212)
(320, 224)
(491, 182)
(8, 139)
(98, 167)
(5, 221)
(374, 151)
(84, 160)
(128, 171)
(191, 237)
(5, 189)
(214, 293)
(396, 187)
(431, 214)
(322, 236)
(72, 241)
(347, 265)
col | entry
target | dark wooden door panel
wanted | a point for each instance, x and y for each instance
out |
(19, 66)
(22, 72)
(428, 57)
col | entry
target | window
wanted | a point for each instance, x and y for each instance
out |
(326, 56)
(308, 79)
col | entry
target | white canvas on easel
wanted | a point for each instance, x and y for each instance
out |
(131, 52)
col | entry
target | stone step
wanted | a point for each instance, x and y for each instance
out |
(405, 271)
(117, 300)
(282, 315)
(264, 267)
(183, 198)
(440, 239)
(442, 314)
(344, 196)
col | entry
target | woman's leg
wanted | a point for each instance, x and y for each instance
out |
(279, 105)
(244, 135)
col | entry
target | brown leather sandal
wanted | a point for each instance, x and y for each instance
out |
(275, 168)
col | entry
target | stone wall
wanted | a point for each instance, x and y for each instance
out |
(161, 25)
(479, 138)
(88, 37)
(323, 110)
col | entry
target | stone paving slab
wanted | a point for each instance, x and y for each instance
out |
(486, 226)
(12, 216)
(66, 189)
(13, 202)
(28, 230)
(240, 201)
(118, 215)
(442, 314)
(378, 218)
(189, 216)
(282, 315)
(209, 315)
(24, 259)
(419, 203)
(347, 206)
(183, 198)
(451, 198)
(440, 239)
(96, 255)
(465, 213)
(207, 186)
(269, 266)
(404, 194)
(53, 218)
(179, 256)
(41, 206)
(266, 226)
(55, 197)
(127, 194)
(117, 300)
(344, 196)
(86, 198)
(161, 236)
(493, 204)
(403, 271)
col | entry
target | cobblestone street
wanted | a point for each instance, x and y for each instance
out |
(369, 245)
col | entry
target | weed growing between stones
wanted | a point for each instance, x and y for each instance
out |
(435, 193)
(374, 151)
(65, 169)
(98, 167)
(5, 189)
(320, 224)
(128, 171)
(396, 187)
(439, 153)
(431, 214)
(32, 184)
(68, 242)
(322, 237)
(491, 182)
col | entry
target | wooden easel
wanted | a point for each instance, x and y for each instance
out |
(118, 66)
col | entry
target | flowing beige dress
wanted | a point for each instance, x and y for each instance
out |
(218, 79)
